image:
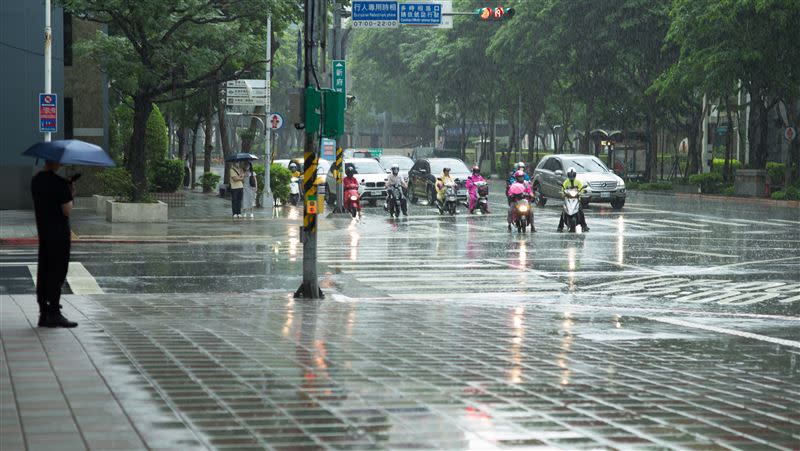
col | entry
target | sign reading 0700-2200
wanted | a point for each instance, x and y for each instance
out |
(374, 14)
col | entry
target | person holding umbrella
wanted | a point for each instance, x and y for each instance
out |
(237, 176)
(52, 203)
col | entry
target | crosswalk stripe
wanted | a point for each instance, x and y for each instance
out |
(78, 277)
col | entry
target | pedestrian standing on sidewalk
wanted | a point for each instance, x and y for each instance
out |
(250, 190)
(237, 188)
(52, 204)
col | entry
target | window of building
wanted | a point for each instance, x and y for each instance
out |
(68, 123)
(67, 39)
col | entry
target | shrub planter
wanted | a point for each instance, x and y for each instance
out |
(750, 182)
(136, 212)
(100, 203)
(175, 199)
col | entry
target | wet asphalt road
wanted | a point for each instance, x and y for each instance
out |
(671, 324)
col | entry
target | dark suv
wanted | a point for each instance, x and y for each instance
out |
(422, 177)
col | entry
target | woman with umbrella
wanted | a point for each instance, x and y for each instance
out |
(237, 176)
(52, 203)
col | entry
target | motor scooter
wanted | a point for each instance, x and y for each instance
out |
(483, 197)
(294, 191)
(450, 199)
(572, 208)
(395, 201)
(352, 199)
(522, 212)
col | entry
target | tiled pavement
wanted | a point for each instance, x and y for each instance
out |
(266, 372)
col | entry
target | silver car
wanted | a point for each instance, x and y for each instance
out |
(369, 173)
(601, 184)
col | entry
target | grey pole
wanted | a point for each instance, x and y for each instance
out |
(268, 200)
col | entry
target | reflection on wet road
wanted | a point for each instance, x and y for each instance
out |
(657, 329)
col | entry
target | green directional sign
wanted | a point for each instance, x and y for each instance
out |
(340, 77)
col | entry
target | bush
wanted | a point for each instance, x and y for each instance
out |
(778, 195)
(632, 184)
(156, 136)
(775, 172)
(729, 190)
(209, 181)
(166, 175)
(116, 182)
(718, 165)
(279, 179)
(710, 182)
(655, 186)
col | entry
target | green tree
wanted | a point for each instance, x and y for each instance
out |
(155, 50)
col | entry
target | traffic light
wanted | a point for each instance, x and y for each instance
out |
(498, 13)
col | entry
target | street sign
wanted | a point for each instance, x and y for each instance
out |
(255, 83)
(244, 92)
(339, 76)
(275, 121)
(790, 133)
(254, 101)
(374, 14)
(328, 149)
(48, 113)
(420, 13)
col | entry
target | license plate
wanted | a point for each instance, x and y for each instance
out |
(606, 194)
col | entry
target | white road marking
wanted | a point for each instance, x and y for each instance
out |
(681, 251)
(723, 330)
(78, 277)
(17, 263)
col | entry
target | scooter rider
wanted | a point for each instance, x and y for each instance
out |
(441, 184)
(572, 182)
(350, 181)
(472, 188)
(293, 169)
(517, 168)
(519, 187)
(395, 178)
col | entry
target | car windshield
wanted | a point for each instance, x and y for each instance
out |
(404, 163)
(456, 166)
(368, 167)
(585, 165)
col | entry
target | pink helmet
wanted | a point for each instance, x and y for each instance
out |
(518, 175)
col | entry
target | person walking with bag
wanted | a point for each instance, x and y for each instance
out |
(237, 188)
(52, 204)
(250, 190)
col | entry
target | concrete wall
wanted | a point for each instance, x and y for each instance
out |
(21, 81)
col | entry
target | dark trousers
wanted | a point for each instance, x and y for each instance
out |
(581, 219)
(52, 271)
(236, 200)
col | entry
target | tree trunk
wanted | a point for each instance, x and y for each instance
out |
(588, 125)
(195, 131)
(492, 137)
(759, 132)
(223, 135)
(181, 141)
(209, 137)
(727, 172)
(652, 147)
(142, 106)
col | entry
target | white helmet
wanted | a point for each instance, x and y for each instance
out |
(521, 165)
(395, 168)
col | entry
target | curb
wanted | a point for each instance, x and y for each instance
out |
(726, 199)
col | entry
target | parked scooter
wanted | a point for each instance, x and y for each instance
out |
(395, 201)
(572, 208)
(450, 199)
(522, 213)
(294, 191)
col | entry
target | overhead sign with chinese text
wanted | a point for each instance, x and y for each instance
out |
(420, 14)
(374, 14)
(48, 113)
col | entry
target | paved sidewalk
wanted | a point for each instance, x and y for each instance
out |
(266, 372)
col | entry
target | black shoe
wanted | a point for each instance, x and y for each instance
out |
(585, 229)
(56, 319)
(533, 229)
(560, 229)
(42, 320)
(509, 227)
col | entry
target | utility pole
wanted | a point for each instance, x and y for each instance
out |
(337, 51)
(311, 100)
(48, 57)
(267, 200)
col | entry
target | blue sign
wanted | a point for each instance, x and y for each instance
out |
(374, 14)
(420, 14)
(48, 113)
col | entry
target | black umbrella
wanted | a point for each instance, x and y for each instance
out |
(70, 151)
(242, 156)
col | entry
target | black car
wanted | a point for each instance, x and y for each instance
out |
(422, 177)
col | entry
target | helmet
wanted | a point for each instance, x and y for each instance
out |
(571, 173)
(349, 170)
(476, 169)
(445, 169)
(520, 176)
(395, 168)
(292, 166)
(521, 166)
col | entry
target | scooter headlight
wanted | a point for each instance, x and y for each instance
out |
(523, 208)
